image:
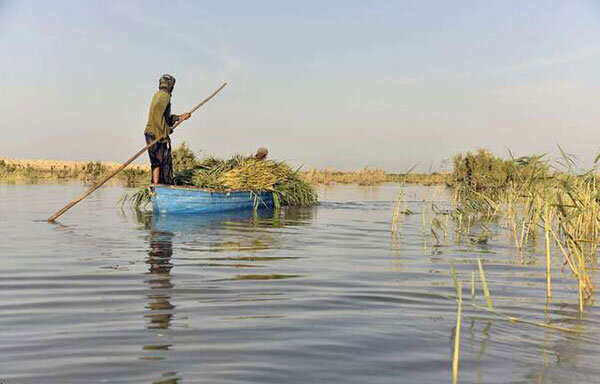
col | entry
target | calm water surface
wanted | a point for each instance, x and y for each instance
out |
(319, 295)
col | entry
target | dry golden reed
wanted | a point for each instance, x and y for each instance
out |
(532, 197)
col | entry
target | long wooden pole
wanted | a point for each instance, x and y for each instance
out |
(125, 164)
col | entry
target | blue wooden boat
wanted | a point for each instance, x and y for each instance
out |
(186, 199)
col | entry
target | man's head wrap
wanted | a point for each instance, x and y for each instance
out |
(261, 153)
(166, 82)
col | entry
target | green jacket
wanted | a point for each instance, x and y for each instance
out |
(160, 119)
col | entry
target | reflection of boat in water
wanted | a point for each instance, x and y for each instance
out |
(185, 224)
(224, 245)
(185, 199)
(244, 218)
(238, 231)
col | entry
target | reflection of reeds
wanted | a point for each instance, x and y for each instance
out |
(486, 291)
(455, 357)
(547, 224)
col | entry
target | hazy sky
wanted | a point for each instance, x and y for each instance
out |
(325, 83)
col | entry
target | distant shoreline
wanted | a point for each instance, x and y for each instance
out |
(46, 171)
(53, 165)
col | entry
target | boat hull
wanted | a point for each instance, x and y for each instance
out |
(180, 199)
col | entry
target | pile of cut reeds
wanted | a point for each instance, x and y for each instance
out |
(249, 174)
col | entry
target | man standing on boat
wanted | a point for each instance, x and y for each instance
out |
(159, 126)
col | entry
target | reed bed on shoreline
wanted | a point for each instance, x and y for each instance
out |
(428, 179)
(53, 171)
(364, 176)
(372, 176)
(535, 199)
(56, 171)
(534, 202)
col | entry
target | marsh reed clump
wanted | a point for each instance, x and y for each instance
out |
(534, 199)
(6, 168)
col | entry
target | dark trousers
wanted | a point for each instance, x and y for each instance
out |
(160, 156)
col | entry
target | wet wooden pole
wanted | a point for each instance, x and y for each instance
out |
(64, 209)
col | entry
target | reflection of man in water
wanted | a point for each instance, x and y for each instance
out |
(159, 259)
